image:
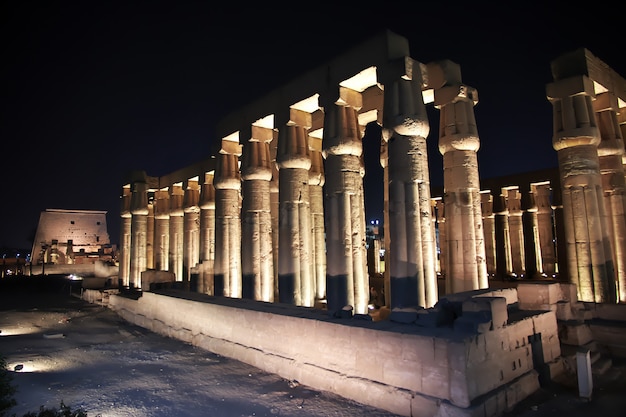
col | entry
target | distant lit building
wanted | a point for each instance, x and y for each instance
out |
(66, 237)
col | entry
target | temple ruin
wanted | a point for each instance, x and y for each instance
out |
(271, 228)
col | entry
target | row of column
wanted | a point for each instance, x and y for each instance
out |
(286, 222)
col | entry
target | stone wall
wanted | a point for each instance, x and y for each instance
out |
(466, 356)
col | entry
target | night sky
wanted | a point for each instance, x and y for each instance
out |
(92, 90)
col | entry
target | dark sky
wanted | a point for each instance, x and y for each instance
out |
(92, 89)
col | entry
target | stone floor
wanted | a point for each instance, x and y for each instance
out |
(24, 301)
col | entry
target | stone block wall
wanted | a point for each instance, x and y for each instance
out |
(409, 370)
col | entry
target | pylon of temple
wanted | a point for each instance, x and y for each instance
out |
(277, 212)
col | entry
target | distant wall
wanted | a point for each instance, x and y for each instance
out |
(97, 269)
(409, 370)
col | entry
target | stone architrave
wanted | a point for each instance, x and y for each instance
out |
(227, 266)
(459, 143)
(412, 262)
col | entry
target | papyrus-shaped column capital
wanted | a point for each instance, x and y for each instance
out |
(162, 206)
(256, 163)
(293, 148)
(207, 195)
(177, 196)
(342, 134)
(125, 201)
(404, 112)
(139, 198)
(316, 172)
(191, 199)
(227, 176)
(574, 117)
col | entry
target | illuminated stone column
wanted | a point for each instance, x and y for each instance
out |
(139, 212)
(347, 281)
(207, 235)
(293, 159)
(545, 227)
(532, 248)
(256, 250)
(274, 210)
(459, 144)
(611, 153)
(227, 266)
(413, 278)
(441, 227)
(191, 230)
(177, 230)
(516, 229)
(316, 197)
(504, 264)
(150, 232)
(489, 225)
(125, 227)
(576, 139)
(162, 230)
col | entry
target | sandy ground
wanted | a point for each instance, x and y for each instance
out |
(86, 356)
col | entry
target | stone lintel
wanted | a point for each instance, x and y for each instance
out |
(442, 73)
(582, 62)
(374, 52)
(605, 101)
(563, 88)
(452, 93)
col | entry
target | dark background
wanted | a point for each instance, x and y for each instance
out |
(91, 90)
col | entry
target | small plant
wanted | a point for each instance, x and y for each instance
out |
(63, 411)
(7, 389)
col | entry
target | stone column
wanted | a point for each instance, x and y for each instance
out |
(413, 278)
(150, 232)
(441, 227)
(191, 231)
(256, 252)
(125, 230)
(177, 230)
(459, 144)
(316, 197)
(516, 230)
(162, 230)
(504, 264)
(227, 266)
(207, 235)
(347, 281)
(489, 224)
(545, 227)
(293, 159)
(139, 212)
(611, 153)
(576, 139)
(274, 210)
(530, 231)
